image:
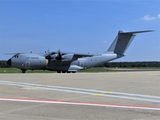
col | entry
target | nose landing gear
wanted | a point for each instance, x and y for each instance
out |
(23, 70)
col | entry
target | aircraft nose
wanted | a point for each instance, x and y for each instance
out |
(9, 62)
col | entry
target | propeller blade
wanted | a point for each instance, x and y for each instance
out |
(59, 56)
(48, 51)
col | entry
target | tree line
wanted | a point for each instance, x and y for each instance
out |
(155, 64)
(3, 64)
(150, 64)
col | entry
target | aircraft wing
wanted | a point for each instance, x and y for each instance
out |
(82, 55)
(76, 56)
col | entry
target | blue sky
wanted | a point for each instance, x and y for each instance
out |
(79, 26)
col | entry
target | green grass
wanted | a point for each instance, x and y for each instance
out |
(15, 70)
(98, 70)
(9, 70)
(101, 69)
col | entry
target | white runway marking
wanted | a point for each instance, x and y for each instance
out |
(139, 97)
(78, 103)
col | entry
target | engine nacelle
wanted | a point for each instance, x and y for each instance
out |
(54, 56)
(67, 57)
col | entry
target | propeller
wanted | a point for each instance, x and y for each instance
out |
(59, 55)
(47, 54)
(54, 55)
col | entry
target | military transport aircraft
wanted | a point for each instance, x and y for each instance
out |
(72, 62)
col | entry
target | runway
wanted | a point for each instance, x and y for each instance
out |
(96, 96)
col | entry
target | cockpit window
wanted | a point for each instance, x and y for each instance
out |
(16, 56)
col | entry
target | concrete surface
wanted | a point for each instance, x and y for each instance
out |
(80, 96)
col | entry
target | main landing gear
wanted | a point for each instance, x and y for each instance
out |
(24, 71)
(66, 71)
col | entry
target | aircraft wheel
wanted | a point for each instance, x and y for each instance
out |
(63, 71)
(23, 70)
(73, 71)
(68, 71)
(58, 71)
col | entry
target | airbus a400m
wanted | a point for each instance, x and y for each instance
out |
(72, 62)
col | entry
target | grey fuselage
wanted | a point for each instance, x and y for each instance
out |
(34, 61)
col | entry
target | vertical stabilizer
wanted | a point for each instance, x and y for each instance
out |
(122, 41)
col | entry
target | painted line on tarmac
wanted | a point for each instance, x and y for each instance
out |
(78, 103)
(130, 96)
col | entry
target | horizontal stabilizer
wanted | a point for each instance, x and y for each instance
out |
(135, 32)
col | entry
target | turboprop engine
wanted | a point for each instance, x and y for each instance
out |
(60, 57)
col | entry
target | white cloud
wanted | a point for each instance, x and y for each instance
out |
(105, 41)
(149, 18)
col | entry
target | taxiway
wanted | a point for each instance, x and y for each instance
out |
(80, 96)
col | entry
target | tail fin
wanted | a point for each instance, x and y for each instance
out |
(122, 41)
